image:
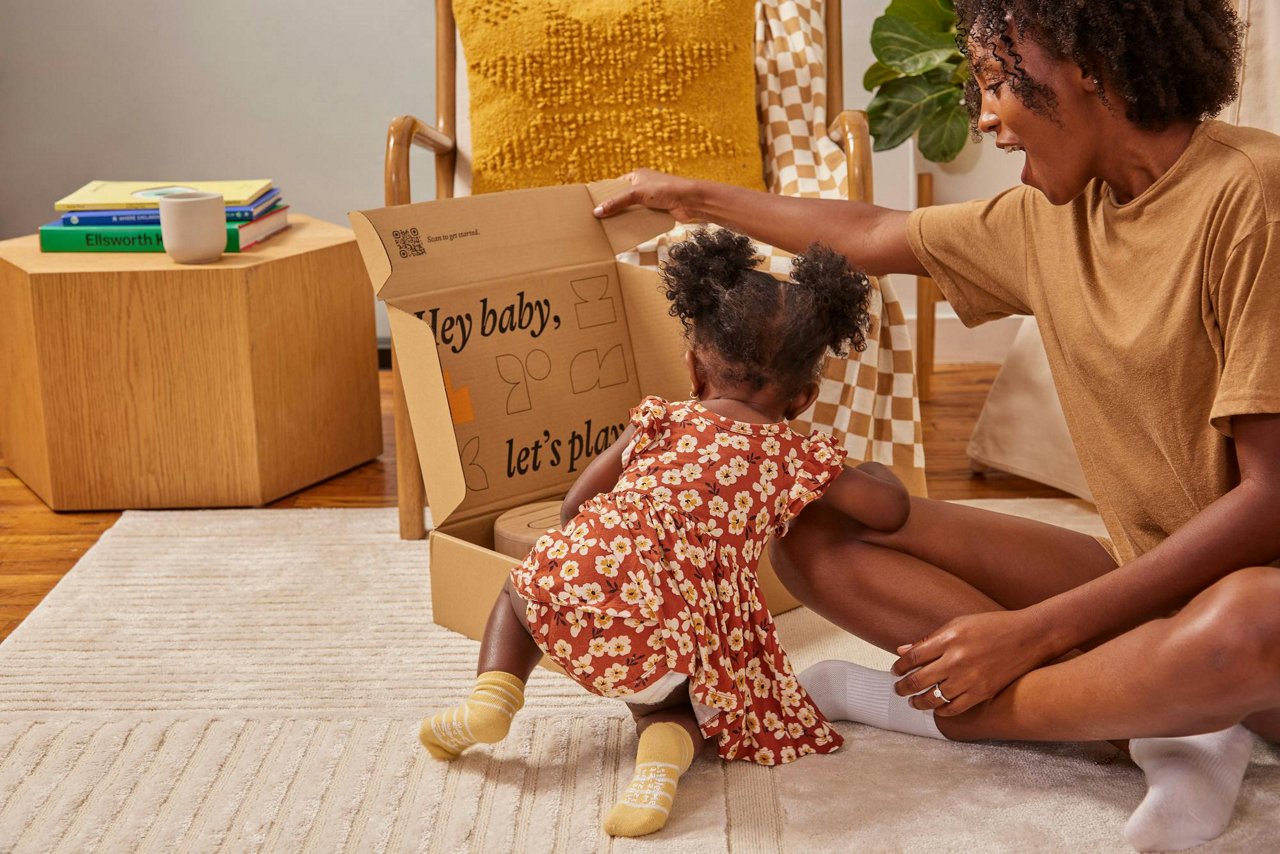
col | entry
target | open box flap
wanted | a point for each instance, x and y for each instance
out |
(376, 261)
(433, 246)
(427, 247)
(656, 337)
(633, 226)
(428, 405)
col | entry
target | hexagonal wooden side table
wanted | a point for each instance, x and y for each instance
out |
(129, 381)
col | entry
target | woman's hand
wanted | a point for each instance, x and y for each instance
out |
(971, 659)
(655, 190)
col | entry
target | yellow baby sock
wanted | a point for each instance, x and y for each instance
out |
(665, 752)
(484, 717)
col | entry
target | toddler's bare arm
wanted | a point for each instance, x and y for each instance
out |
(871, 494)
(599, 476)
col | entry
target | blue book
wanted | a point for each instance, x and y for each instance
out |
(151, 216)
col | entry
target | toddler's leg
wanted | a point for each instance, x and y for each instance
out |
(507, 657)
(669, 740)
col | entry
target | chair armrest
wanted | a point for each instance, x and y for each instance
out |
(850, 129)
(404, 133)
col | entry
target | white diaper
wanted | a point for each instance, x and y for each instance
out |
(661, 690)
(658, 691)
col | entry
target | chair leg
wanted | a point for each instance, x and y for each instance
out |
(926, 331)
(927, 295)
(410, 491)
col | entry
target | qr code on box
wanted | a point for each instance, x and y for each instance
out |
(408, 243)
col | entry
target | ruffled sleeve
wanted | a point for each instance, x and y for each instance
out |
(649, 418)
(813, 468)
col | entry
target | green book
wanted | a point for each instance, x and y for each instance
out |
(56, 237)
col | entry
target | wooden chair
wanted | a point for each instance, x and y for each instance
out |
(407, 131)
(928, 296)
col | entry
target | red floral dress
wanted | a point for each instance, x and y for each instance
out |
(659, 575)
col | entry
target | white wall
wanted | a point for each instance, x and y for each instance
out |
(981, 171)
(894, 171)
(300, 92)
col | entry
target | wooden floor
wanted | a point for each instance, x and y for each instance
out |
(37, 546)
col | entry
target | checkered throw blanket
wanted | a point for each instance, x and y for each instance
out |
(867, 401)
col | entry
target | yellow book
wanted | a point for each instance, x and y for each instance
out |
(125, 195)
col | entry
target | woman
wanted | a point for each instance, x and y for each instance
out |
(1146, 242)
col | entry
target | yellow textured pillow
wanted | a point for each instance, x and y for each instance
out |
(567, 92)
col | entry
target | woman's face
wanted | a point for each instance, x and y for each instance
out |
(1057, 143)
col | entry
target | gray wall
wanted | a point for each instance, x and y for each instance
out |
(300, 92)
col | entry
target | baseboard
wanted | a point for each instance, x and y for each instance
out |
(384, 354)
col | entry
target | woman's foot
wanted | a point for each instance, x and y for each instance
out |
(844, 691)
(485, 717)
(1192, 785)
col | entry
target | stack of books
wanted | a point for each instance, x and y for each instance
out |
(124, 216)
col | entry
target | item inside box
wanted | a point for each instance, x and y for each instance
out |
(515, 531)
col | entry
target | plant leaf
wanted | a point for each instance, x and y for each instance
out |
(902, 45)
(937, 16)
(943, 133)
(902, 105)
(878, 75)
(899, 108)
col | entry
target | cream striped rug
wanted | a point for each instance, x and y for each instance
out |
(252, 681)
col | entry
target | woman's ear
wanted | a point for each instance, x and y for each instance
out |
(802, 401)
(695, 370)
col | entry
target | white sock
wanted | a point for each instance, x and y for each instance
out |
(845, 691)
(1192, 784)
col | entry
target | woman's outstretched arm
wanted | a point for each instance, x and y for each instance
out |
(874, 239)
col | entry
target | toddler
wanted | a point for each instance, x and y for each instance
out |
(648, 592)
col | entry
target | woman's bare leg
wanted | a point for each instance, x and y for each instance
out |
(951, 560)
(1191, 678)
(947, 561)
(1210, 666)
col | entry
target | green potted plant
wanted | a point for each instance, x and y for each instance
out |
(918, 79)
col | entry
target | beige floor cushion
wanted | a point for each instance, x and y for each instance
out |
(1022, 429)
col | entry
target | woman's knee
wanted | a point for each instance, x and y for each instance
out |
(823, 553)
(1235, 625)
(811, 543)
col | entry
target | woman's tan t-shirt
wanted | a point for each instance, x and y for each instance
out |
(1161, 317)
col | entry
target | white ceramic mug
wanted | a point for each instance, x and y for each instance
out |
(193, 227)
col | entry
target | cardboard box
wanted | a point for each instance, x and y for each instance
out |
(522, 345)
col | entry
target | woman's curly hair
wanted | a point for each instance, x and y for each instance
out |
(755, 329)
(1161, 61)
